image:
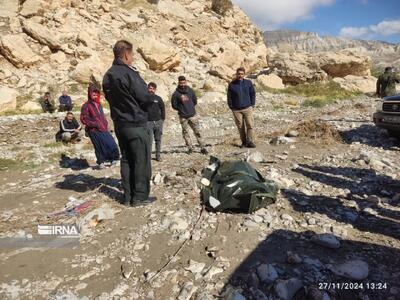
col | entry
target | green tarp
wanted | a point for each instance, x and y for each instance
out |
(235, 186)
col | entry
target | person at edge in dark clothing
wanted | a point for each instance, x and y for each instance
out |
(184, 101)
(156, 117)
(96, 126)
(65, 102)
(386, 83)
(241, 100)
(126, 92)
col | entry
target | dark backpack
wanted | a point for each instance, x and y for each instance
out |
(235, 186)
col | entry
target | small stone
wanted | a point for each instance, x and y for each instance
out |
(374, 199)
(293, 133)
(286, 289)
(293, 258)
(327, 240)
(187, 291)
(256, 157)
(195, 267)
(353, 269)
(311, 221)
(267, 273)
(126, 269)
(287, 217)
(213, 271)
(370, 211)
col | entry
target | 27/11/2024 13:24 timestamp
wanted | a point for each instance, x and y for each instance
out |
(352, 285)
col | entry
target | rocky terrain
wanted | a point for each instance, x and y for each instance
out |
(52, 45)
(333, 232)
(383, 54)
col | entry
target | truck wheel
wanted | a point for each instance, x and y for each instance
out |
(395, 134)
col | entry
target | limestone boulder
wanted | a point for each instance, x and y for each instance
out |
(91, 69)
(31, 106)
(159, 56)
(362, 84)
(271, 81)
(228, 58)
(14, 48)
(343, 63)
(296, 68)
(8, 99)
(9, 8)
(32, 8)
(42, 34)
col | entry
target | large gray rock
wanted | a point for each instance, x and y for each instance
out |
(267, 273)
(14, 48)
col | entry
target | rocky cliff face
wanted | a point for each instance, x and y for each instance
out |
(56, 44)
(381, 53)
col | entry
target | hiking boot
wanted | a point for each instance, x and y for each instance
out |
(204, 151)
(158, 159)
(243, 145)
(190, 151)
(251, 145)
(148, 201)
(126, 203)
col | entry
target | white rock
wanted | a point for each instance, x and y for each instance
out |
(327, 240)
(8, 99)
(256, 157)
(187, 291)
(195, 267)
(286, 289)
(267, 273)
(353, 269)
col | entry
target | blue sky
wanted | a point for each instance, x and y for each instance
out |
(363, 19)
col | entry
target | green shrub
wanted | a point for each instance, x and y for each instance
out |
(221, 7)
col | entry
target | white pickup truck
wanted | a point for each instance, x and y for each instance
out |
(387, 115)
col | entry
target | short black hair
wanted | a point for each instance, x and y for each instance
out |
(388, 69)
(181, 78)
(70, 113)
(47, 93)
(152, 84)
(121, 47)
(241, 69)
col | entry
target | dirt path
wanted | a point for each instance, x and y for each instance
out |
(339, 176)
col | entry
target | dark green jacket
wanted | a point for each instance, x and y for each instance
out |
(386, 84)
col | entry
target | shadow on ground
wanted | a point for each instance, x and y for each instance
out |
(361, 183)
(369, 134)
(83, 183)
(313, 270)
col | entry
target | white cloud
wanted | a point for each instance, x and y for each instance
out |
(384, 28)
(271, 14)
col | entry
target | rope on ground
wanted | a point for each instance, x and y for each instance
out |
(180, 247)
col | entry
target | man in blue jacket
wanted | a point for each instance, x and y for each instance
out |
(241, 100)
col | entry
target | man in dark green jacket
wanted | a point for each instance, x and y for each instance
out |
(386, 84)
(126, 92)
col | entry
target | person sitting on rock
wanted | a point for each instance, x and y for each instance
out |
(47, 103)
(70, 129)
(96, 126)
(65, 102)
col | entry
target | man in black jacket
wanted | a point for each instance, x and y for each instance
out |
(156, 116)
(126, 92)
(70, 129)
(184, 101)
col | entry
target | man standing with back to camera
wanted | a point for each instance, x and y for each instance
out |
(127, 95)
